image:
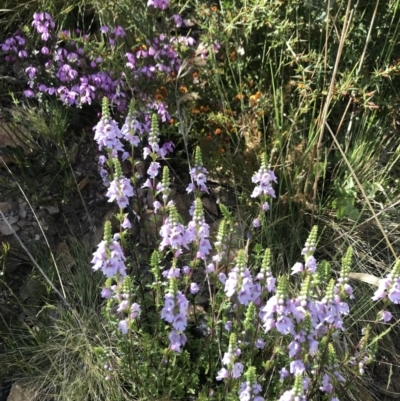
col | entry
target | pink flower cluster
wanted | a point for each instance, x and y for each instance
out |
(110, 259)
(175, 312)
(240, 282)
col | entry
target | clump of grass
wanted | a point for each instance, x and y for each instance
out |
(58, 350)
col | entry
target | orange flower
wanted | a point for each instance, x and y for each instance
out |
(218, 131)
(233, 56)
(221, 151)
(171, 121)
(239, 96)
(159, 96)
(214, 8)
(163, 91)
(209, 137)
(195, 74)
(183, 89)
(254, 98)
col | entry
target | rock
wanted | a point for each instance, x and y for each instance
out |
(225, 195)
(33, 289)
(64, 256)
(5, 207)
(210, 206)
(52, 209)
(22, 223)
(20, 393)
(11, 146)
(4, 227)
(15, 227)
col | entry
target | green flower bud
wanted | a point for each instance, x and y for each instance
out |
(264, 160)
(117, 168)
(266, 263)
(173, 214)
(250, 375)
(197, 158)
(330, 290)
(250, 317)
(298, 384)
(173, 286)
(305, 288)
(281, 291)
(105, 110)
(127, 285)
(154, 130)
(232, 342)
(107, 232)
(396, 270)
(131, 111)
(311, 243)
(198, 210)
(222, 231)
(323, 271)
(332, 358)
(241, 260)
(346, 263)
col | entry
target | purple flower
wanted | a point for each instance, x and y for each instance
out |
(177, 340)
(119, 32)
(123, 326)
(284, 325)
(186, 270)
(110, 258)
(297, 268)
(311, 263)
(120, 189)
(385, 316)
(194, 288)
(237, 370)
(173, 272)
(222, 278)
(297, 367)
(135, 310)
(394, 292)
(284, 373)
(29, 93)
(326, 386)
(228, 325)
(126, 223)
(153, 169)
(199, 176)
(222, 374)
(31, 71)
(123, 306)
(162, 4)
(289, 395)
(210, 268)
(107, 134)
(263, 177)
(256, 222)
(106, 293)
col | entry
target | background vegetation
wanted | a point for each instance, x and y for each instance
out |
(314, 84)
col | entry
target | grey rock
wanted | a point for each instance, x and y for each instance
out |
(5, 207)
(21, 393)
(4, 227)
